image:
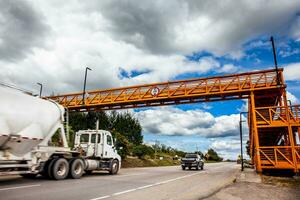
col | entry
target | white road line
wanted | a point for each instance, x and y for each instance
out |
(147, 186)
(130, 175)
(123, 192)
(118, 176)
(104, 197)
(19, 187)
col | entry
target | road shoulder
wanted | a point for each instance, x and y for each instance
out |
(251, 186)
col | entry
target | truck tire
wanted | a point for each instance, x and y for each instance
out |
(48, 168)
(76, 168)
(197, 167)
(202, 166)
(114, 167)
(29, 176)
(183, 167)
(60, 169)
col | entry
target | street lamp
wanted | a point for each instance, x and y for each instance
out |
(275, 59)
(241, 138)
(84, 84)
(41, 88)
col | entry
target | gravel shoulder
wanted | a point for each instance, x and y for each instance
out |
(251, 186)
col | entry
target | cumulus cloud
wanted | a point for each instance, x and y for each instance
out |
(291, 72)
(173, 121)
(295, 29)
(109, 36)
(22, 28)
(292, 98)
(229, 148)
(188, 26)
(232, 145)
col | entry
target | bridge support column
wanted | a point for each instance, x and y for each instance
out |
(290, 133)
(255, 134)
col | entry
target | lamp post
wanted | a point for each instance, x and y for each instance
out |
(41, 88)
(275, 59)
(84, 85)
(241, 139)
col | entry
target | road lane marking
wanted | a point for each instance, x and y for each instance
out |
(130, 175)
(104, 197)
(146, 186)
(20, 187)
(123, 192)
(118, 176)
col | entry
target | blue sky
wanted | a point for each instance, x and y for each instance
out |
(258, 56)
(137, 42)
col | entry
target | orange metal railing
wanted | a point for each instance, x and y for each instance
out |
(277, 115)
(227, 87)
(279, 156)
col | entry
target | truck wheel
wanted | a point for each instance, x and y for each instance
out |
(29, 176)
(48, 169)
(114, 168)
(202, 167)
(60, 169)
(197, 167)
(183, 167)
(190, 168)
(76, 168)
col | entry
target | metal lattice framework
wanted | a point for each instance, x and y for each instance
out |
(273, 124)
(228, 87)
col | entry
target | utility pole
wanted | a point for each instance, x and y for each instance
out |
(241, 139)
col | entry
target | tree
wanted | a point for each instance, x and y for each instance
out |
(212, 155)
(128, 125)
(77, 120)
(123, 146)
(142, 150)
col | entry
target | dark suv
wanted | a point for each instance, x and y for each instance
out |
(192, 160)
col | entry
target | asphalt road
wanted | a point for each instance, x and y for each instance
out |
(135, 183)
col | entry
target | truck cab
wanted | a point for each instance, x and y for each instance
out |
(96, 143)
(97, 147)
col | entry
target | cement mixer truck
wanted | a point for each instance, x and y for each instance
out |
(27, 125)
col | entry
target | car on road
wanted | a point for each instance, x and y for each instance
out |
(192, 160)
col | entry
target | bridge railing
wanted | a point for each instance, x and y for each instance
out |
(207, 88)
(279, 156)
(277, 115)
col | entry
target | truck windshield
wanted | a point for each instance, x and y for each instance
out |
(191, 155)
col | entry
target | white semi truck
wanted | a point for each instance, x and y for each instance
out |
(27, 124)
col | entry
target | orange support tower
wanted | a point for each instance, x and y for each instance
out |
(273, 124)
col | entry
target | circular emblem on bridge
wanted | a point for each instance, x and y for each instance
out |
(154, 91)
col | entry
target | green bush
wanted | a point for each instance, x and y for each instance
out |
(142, 150)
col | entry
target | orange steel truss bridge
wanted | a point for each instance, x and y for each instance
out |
(273, 124)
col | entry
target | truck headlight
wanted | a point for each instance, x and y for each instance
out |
(38, 154)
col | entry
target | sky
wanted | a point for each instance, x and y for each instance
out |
(136, 42)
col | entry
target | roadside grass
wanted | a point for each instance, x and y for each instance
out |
(136, 162)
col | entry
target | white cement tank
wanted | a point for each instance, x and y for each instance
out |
(25, 120)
